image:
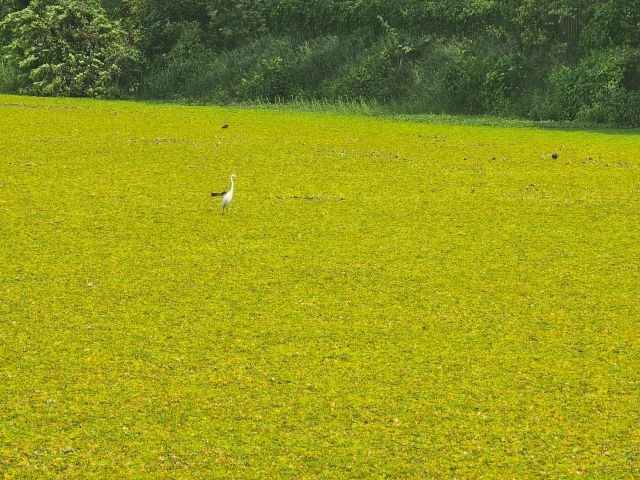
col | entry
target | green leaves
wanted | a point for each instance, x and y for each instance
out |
(603, 88)
(71, 48)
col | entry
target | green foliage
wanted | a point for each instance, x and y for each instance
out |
(386, 300)
(204, 76)
(465, 74)
(8, 6)
(8, 76)
(380, 75)
(504, 83)
(183, 78)
(70, 48)
(191, 25)
(253, 71)
(558, 59)
(163, 23)
(234, 22)
(619, 107)
(272, 79)
(614, 23)
(385, 71)
(599, 84)
(309, 18)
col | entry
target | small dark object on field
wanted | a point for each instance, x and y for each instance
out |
(218, 194)
(225, 125)
(554, 155)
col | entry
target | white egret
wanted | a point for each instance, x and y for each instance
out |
(228, 197)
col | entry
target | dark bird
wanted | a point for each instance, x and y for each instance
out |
(554, 155)
(226, 125)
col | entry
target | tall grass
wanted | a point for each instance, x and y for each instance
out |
(269, 69)
(412, 75)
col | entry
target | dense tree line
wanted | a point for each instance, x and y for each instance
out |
(544, 59)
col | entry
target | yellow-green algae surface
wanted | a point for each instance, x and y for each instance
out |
(384, 299)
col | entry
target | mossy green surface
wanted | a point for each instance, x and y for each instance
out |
(385, 299)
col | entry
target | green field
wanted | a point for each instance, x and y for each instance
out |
(385, 299)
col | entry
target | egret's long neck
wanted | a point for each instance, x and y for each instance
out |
(231, 190)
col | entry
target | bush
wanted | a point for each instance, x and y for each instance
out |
(269, 69)
(8, 77)
(463, 84)
(384, 71)
(504, 84)
(70, 48)
(613, 23)
(566, 95)
(287, 70)
(621, 108)
(272, 79)
(376, 77)
(600, 81)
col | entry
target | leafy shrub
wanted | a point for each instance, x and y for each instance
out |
(504, 83)
(591, 85)
(270, 69)
(8, 6)
(621, 107)
(217, 26)
(8, 77)
(384, 71)
(272, 79)
(70, 48)
(322, 59)
(234, 23)
(377, 77)
(463, 83)
(566, 94)
(613, 23)
(296, 71)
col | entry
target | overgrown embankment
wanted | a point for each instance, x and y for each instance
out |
(570, 60)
